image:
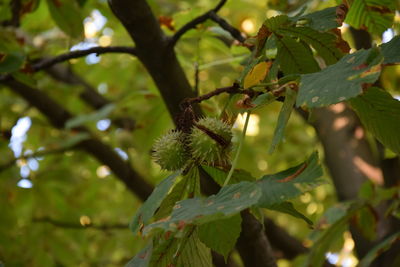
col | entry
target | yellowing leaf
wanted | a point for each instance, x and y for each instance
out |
(257, 74)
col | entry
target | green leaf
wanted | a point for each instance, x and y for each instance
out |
(340, 81)
(221, 235)
(324, 43)
(284, 115)
(391, 51)
(230, 200)
(11, 61)
(295, 57)
(276, 22)
(365, 220)
(331, 226)
(380, 114)
(280, 187)
(379, 249)
(376, 16)
(322, 20)
(263, 100)
(178, 192)
(194, 253)
(67, 15)
(317, 255)
(142, 259)
(95, 116)
(219, 175)
(287, 207)
(24, 78)
(181, 252)
(146, 211)
(5, 14)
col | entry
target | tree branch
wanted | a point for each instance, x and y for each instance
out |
(211, 14)
(38, 153)
(158, 56)
(154, 52)
(15, 14)
(48, 62)
(233, 89)
(227, 27)
(103, 227)
(58, 116)
(89, 94)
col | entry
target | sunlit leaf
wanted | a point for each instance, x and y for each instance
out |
(256, 74)
(376, 16)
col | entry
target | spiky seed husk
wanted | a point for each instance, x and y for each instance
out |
(206, 149)
(169, 151)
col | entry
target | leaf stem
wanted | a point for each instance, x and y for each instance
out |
(241, 140)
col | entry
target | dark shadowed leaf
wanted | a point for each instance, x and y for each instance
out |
(322, 20)
(177, 193)
(220, 175)
(185, 251)
(280, 187)
(380, 114)
(287, 207)
(283, 118)
(379, 249)
(221, 235)
(67, 16)
(142, 259)
(146, 211)
(324, 43)
(366, 221)
(340, 81)
(230, 200)
(391, 51)
(295, 57)
(11, 62)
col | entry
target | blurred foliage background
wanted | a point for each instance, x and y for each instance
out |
(62, 208)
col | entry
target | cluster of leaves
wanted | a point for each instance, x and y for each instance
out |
(180, 220)
(305, 60)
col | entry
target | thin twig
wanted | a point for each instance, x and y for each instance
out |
(211, 14)
(80, 226)
(48, 62)
(39, 153)
(233, 89)
(227, 27)
(14, 21)
(239, 149)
